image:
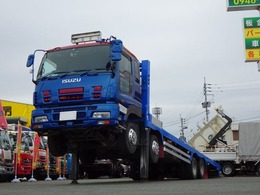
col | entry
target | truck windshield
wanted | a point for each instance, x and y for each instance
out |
(74, 61)
(4, 140)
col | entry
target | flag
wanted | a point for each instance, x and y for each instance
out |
(58, 167)
(36, 145)
(64, 165)
(18, 143)
(3, 122)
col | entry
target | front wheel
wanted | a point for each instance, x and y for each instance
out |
(130, 139)
(228, 169)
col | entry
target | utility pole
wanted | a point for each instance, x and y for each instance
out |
(183, 126)
(206, 104)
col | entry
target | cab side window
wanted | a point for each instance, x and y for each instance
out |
(136, 70)
(125, 70)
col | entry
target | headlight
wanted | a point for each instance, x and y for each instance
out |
(101, 115)
(40, 119)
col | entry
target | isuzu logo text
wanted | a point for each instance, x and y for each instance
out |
(74, 80)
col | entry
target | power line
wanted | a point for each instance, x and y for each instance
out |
(186, 119)
(196, 115)
(236, 83)
(236, 86)
(245, 119)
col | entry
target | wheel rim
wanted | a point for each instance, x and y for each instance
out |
(227, 170)
(155, 148)
(132, 137)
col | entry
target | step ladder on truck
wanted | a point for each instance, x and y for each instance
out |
(92, 99)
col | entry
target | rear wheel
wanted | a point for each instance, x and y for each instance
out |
(154, 149)
(192, 169)
(57, 146)
(201, 168)
(228, 169)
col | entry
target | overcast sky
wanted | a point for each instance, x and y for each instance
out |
(184, 40)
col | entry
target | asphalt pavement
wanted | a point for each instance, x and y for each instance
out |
(239, 185)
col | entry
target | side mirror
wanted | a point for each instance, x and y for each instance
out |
(30, 60)
(116, 50)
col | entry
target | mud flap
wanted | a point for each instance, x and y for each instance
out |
(144, 153)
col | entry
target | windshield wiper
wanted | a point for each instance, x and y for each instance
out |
(46, 76)
(92, 72)
(54, 75)
(65, 74)
(89, 73)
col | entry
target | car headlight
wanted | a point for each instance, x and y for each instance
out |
(101, 115)
(40, 119)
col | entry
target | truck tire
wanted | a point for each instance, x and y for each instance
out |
(228, 169)
(130, 139)
(57, 146)
(201, 168)
(192, 169)
(154, 149)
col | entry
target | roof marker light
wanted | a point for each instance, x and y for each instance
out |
(85, 37)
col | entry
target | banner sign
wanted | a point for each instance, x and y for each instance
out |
(252, 39)
(238, 5)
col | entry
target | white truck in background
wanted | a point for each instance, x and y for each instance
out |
(236, 147)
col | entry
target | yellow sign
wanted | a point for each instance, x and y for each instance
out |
(252, 55)
(252, 39)
(252, 33)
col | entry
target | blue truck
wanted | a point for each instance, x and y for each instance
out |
(92, 99)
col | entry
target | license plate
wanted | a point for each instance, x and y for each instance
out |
(68, 115)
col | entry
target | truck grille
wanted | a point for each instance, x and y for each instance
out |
(71, 94)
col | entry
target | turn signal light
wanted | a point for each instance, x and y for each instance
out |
(46, 93)
(97, 88)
